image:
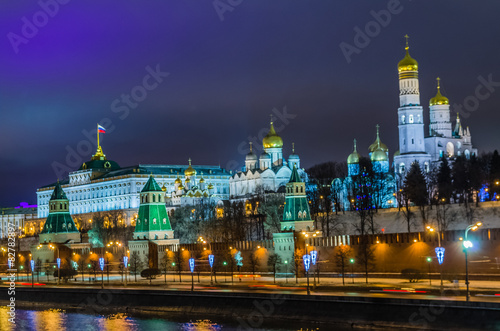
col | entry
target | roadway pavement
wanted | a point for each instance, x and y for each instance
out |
(481, 291)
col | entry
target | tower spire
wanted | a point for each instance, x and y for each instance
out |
(293, 148)
(355, 150)
(251, 151)
(407, 46)
(438, 83)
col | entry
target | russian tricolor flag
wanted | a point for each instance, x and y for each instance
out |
(101, 129)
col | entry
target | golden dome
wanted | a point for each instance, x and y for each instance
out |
(439, 99)
(202, 180)
(377, 143)
(407, 63)
(164, 188)
(178, 180)
(181, 187)
(210, 186)
(354, 156)
(187, 180)
(378, 155)
(189, 171)
(272, 140)
(397, 153)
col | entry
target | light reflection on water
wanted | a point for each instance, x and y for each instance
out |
(60, 320)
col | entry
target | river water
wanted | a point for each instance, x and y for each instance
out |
(61, 320)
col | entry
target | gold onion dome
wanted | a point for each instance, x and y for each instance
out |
(272, 140)
(210, 186)
(202, 180)
(378, 156)
(189, 171)
(164, 188)
(187, 180)
(181, 187)
(407, 63)
(397, 153)
(378, 144)
(354, 156)
(178, 181)
(439, 99)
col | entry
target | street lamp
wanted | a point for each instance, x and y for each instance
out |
(352, 269)
(307, 264)
(32, 263)
(225, 274)
(191, 266)
(211, 262)
(101, 264)
(314, 257)
(467, 244)
(125, 266)
(429, 260)
(58, 263)
(440, 255)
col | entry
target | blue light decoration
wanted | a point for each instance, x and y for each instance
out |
(10, 263)
(32, 263)
(58, 263)
(239, 259)
(101, 263)
(307, 261)
(440, 254)
(75, 265)
(125, 261)
(191, 264)
(314, 256)
(211, 260)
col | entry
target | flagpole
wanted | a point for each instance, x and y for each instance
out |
(97, 135)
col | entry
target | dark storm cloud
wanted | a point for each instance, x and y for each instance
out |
(225, 78)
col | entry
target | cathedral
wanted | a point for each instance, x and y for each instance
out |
(443, 140)
(269, 171)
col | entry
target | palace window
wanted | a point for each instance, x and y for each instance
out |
(410, 119)
(403, 119)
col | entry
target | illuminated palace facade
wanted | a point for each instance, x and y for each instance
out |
(102, 185)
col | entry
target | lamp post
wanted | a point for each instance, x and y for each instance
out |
(58, 263)
(314, 256)
(32, 262)
(467, 244)
(191, 266)
(440, 256)
(125, 268)
(307, 264)
(101, 265)
(352, 269)
(211, 262)
(225, 273)
(429, 260)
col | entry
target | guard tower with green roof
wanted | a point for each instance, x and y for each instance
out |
(152, 221)
(59, 226)
(153, 232)
(296, 214)
(296, 224)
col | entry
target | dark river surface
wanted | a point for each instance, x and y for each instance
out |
(61, 320)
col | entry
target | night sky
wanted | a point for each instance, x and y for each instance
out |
(225, 77)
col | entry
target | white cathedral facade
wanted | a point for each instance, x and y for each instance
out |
(269, 171)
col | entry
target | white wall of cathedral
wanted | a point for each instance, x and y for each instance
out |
(438, 147)
(440, 124)
(402, 163)
(118, 193)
